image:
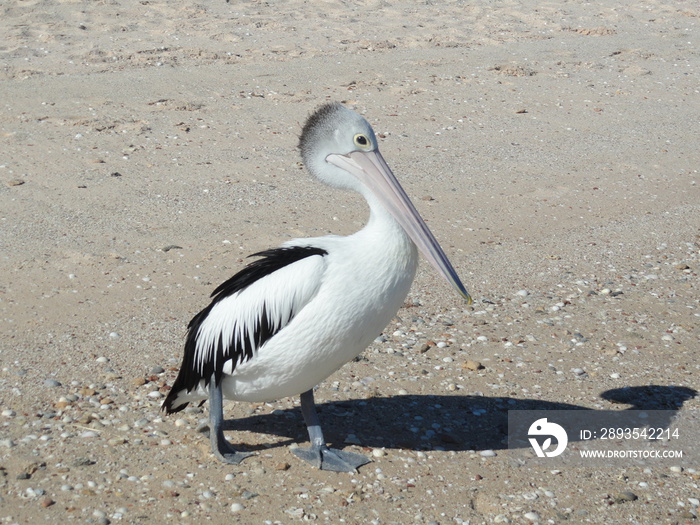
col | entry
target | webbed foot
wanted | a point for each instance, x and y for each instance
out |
(227, 454)
(222, 449)
(331, 459)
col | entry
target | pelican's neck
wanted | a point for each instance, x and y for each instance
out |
(391, 239)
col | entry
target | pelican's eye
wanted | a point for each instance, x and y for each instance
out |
(362, 141)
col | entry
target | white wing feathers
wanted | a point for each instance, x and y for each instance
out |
(238, 324)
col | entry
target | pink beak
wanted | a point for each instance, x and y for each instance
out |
(371, 169)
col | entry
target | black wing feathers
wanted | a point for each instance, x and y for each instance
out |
(190, 374)
(272, 260)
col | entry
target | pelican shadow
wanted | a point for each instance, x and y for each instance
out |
(428, 422)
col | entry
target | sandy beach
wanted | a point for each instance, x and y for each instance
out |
(147, 148)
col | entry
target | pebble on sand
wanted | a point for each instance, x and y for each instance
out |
(625, 496)
(352, 439)
(472, 365)
(46, 502)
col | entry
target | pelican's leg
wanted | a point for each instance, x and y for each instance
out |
(221, 448)
(318, 454)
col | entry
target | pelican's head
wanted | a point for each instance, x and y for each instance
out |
(334, 129)
(339, 147)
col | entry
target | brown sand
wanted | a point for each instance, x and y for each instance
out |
(148, 147)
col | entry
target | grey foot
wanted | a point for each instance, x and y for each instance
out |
(332, 459)
(222, 449)
(227, 454)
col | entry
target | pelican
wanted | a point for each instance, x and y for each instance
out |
(291, 318)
